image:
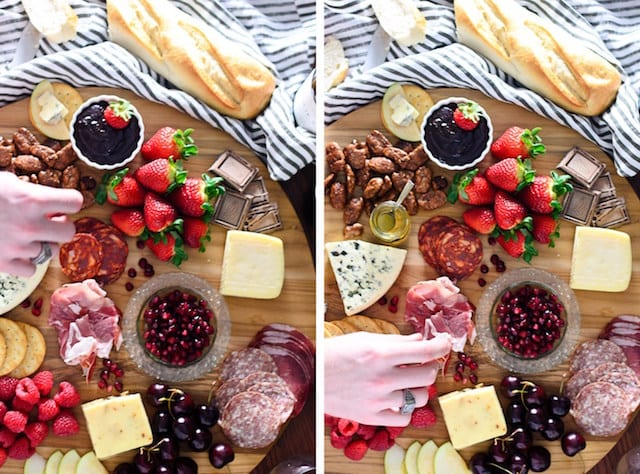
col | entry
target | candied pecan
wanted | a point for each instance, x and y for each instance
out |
(50, 178)
(328, 180)
(411, 204)
(353, 230)
(432, 200)
(334, 157)
(52, 143)
(387, 185)
(6, 153)
(356, 154)
(396, 154)
(381, 165)
(423, 179)
(350, 178)
(362, 176)
(88, 198)
(405, 146)
(390, 195)
(338, 195)
(369, 204)
(71, 177)
(46, 154)
(27, 164)
(373, 187)
(400, 178)
(377, 142)
(417, 158)
(64, 157)
(353, 210)
(23, 140)
(440, 182)
(33, 178)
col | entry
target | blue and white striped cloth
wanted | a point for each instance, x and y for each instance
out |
(283, 32)
(610, 27)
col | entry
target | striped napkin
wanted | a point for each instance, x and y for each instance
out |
(610, 27)
(283, 32)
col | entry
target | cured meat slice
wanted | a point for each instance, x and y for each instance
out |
(259, 377)
(458, 252)
(279, 339)
(294, 333)
(80, 258)
(621, 375)
(601, 409)
(114, 254)
(88, 225)
(227, 391)
(280, 394)
(590, 354)
(251, 420)
(240, 363)
(577, 382)
(429, 233)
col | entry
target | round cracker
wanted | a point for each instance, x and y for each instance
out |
(363, 323)
(36, 350)
(16, 342)
(3, 348)
(345, 326)
(69, 96)
(332, 329)
(387, 327)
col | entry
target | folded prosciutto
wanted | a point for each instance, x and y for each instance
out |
(87, 323)
(437, 306)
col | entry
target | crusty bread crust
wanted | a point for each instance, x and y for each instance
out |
(538, 54)
(192, 55)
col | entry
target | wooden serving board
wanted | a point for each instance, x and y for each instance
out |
(596, 307)
(247, 315)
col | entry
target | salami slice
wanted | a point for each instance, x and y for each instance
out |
(240, 363)
(259, 377)
(458, 252)
(577, 382)
(87, 225)
(227, 391)
(80, 258)
(114, 254)
(428, 234)
(621, 375)
(590, 354)
(251, 420)
(280, 394)
(601, 409)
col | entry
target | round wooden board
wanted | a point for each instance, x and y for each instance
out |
(596, 307)
(247, 315)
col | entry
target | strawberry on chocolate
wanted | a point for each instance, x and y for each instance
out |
(118, 114)
(467, 115)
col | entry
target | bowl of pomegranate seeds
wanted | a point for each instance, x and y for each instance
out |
(176, 327)
(528, 320)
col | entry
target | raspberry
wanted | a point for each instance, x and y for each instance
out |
(36, 431)
(338, 441)
(366, 432)
(3, 456)
(356, 449)
(394, 431)
(7, 387)
(48, 409)
(65, 424)
(432, 391)
(15, 421)
(67, 396)
(423, 417)
(27, 391)
(330, 420)
(3, 410)
(21, 405)
(21, 449)
(380, 441)
(347, 427)
(7, 437)
(44, 382)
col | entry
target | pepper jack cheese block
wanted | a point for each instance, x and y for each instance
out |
(252, 265)
(117, 424)
(472, 416)
(601, 260)
(364, 271)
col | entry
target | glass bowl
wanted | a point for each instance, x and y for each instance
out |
(486, 321)
(132, 327)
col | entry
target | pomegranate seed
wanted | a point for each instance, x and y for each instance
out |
(473, 378)
(482, 282)
(132, 273)
(459, 367)
(118, 385)
(140, 244)
(102, 384)
(118, 372)
(495, 259)
(484, 268)
(393, 309)
(38, 303)
(128, 286)
(149, 271)
(26, 303)
(492, 240)
(107, 363)
(142, 263)
(457, 377)
(462, 356)
(36, 311)
(473, 365)
(382, 301)
(394, 300)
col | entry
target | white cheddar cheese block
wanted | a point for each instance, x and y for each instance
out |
(252, 265)
(472, 416)
(364, 271)
(14, 290)
(601, 260)
(117, 424)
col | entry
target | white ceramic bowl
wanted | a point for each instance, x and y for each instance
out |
(92, 156)
(485, 138)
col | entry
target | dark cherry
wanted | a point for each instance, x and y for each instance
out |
(183, 428)
(479, 463)
(144, 462)
(516, 413)
(184, 465)
(163, 468)
(558, 405)
(536, 419)
(162, 424)
(572, 443)
(518, 462)
(498, 452)
(511, 385)
(553, 428)
(221, 454)
(200, 439)
(168, 449)
(125, 468)
(522, 439)
(539, 458)
(534, 396)
(207, 414)
(157, 393)
(181, 404)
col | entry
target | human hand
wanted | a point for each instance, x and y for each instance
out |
(365, 374)
(32, 214)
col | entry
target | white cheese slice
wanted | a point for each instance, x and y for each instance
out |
(403, 112)
(14, 290)
(252, 265)
(364, 271)
(52, 110)
(601, 260)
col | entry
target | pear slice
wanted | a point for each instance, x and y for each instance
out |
(394, 460)
(425, 457)
(69, 462)
(53, 462)
(411, 458)
(90, 464)
(35, 464)
(448, 461)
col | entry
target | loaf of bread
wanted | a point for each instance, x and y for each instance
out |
(538, 53)
(55, 19)
(192, 55)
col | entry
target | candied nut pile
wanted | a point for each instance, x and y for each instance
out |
(365, 173)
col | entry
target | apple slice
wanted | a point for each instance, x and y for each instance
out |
(425, 457)
(448, 461)
(69, 462)
(90, 464)
(403, 109)
(411, 458)
(35, 464)
(53, 462)
(393, 460)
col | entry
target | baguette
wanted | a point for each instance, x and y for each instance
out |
(192, 55)
(538, 54)
(55, 19)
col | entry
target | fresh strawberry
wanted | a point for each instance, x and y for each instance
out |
(67, 396)
(120, 189)
(347, 427)
(356, 449)
(545, 229)
(168, 142)
(129, 221)
(7, 387)
(380, 441)
(65, 424)
(196, 233)
(509, 212)
(542, 194)
(480, 219)
(27, 391)
(467, 115)
(423, 417)
(20, 449)
(118, 114)
(194, 196)
(36, 432)
(159, 214)
(15, 421)
(510, 174)
(337, 439)
(161, 175)
(44, 382)
(519, 244)
(518, 142)
(168, 249)
(471, 188)
(48, 409)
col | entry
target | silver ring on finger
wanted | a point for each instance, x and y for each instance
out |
(44, 255)
(408, 402)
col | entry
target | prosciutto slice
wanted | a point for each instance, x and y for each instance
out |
(436, 306)
(87, 323)
(624, 330)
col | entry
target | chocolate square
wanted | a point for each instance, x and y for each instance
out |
(605, 185)
(579, 206)
(258, 191)
(235, 170)
(611, 213)
(583, 167)
(231, 210)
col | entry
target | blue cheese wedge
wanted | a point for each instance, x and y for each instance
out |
(14, 290)
(364, 271)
